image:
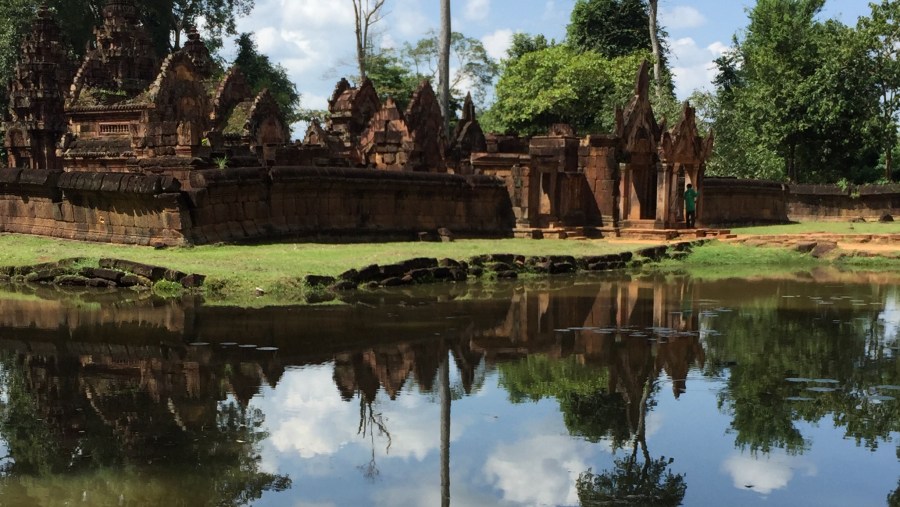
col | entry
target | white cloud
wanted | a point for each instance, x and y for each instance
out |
(681, 17)
(477, 10)
(408, 19)
(693, 67)
(316, 13)
(497, 43)
(766, 474)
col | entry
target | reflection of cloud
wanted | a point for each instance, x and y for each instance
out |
(538, 470)
(765, 474)
(306, 416)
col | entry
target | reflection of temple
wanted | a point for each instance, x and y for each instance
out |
(184, 383)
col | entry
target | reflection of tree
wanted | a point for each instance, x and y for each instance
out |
(778, 340)
(594, 409)
(71, 433)
(371, 422)
(893, 499)
(629, 484)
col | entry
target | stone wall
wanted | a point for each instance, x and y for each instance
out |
(104, 207)
(246, 203)
(830, 202)
(250, 203)
(729, 201)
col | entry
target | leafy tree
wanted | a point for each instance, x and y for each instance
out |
(795, 98)
(391, 77)
(523, 43)
(562, 85)
(473, 66)
(882, 35)
(262, 73)
(610, 27)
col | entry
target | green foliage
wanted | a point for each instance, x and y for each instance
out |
(392, 77)
(652, 483)
(561, 85)
(881, 35)
(523, 43)
(262, 73)
(610, 27)
(167, 289)
(795, 99)
(474, 67)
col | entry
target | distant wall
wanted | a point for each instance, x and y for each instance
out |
(250, 203)
(104, 207)
(728, 201)
(830, 202)
(246, 203)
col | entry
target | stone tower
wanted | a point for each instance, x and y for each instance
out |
(37, 97)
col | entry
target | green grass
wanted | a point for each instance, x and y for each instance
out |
(234, 271)
(823, 227)
(730, 260)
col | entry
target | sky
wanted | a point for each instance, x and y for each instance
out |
(314, 39)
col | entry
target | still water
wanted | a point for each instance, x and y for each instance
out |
(778, 391)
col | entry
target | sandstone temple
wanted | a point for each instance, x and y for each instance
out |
(128, 146)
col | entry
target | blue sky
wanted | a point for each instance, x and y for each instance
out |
(314, 39)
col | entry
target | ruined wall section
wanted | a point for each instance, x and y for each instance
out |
(246, 203)
(111, 207)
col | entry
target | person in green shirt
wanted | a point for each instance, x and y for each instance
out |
(690, 205)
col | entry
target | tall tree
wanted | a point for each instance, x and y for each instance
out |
(882, 32)
(653, 6)
(472, 65)
(366, 13)
(262, 73)
(523, 43)
(610, 27)
(561, 85)
(795, 98)
(444, 64)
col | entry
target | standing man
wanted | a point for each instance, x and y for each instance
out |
(690, 205)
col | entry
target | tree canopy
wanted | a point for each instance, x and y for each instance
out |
(610, 27)
(262, 73)
(796, 98)
(559, 84)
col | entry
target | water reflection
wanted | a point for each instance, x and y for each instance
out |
(142, 402)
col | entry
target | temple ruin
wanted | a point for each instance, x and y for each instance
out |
(132, 147)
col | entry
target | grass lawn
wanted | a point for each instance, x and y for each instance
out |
(234, 271)
(824, 227)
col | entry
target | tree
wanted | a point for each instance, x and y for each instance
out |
(655, 46)
(610, 27)
(522, 44)
(366, 14)
(444, 63)
(262, 73)
(795, 100)
(561, 85)
(473, 66)
(882, 33)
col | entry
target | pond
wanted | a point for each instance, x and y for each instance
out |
(584, 391)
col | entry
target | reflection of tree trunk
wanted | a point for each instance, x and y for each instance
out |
(445, 430)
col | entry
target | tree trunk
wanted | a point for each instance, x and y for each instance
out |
(889, 164)
(444, 64)
(657, 52)
(360, 40)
